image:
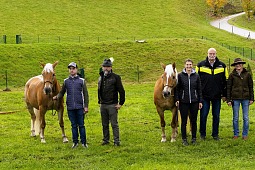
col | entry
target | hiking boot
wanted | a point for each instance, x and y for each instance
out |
(75, 145)
(185, 142)
(245, 137)
(105, 143)
(116, 144)
(202, 137)
(193, 141)
(216, 138)
(235, 137)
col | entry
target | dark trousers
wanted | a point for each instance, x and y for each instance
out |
(216, 105)
(76, 118)
(109, 114)
(185, 109)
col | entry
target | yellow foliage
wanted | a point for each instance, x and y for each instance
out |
(216, 5)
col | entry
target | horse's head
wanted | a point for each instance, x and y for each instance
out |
(169, 79)
(48, 77)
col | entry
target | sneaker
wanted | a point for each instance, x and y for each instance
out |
(193, 141)
(202, 137)
(116, 144)
(235, 137)
(185, 142)
(75, 145)
(85, 145)
(245, 137)
(216, 138)
(105, 143)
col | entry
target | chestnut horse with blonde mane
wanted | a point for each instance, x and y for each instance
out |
(39, 91)
(164, 98)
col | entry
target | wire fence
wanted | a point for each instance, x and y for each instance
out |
(244, 51)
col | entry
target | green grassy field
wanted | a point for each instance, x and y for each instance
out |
(173, 31)
(140, 138)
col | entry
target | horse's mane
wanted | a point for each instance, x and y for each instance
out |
(48, 68)
(169, 70)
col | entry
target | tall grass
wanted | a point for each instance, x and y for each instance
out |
(140, 139)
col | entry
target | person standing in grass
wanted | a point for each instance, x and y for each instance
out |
(77, 101)
(189, 99)
(213, 74)
(109, 87)
(240, 92)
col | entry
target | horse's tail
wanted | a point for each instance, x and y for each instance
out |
(37, 124)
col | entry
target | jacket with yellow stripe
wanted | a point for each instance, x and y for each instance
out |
(213, 79)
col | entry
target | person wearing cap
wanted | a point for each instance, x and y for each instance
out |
(77, 100)
(213, 74)
(240, 92)
(111, 96)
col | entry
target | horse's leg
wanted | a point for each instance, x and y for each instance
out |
(42, 111)
(33, 117)
(174, 124)
(162, 123)
(61, 124)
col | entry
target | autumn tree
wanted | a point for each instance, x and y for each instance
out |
(248, 7)
(216, 5)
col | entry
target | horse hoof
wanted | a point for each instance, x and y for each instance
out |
(43, 141)
(173, 140)
(65, 140)
(163, 140)
(33, 135)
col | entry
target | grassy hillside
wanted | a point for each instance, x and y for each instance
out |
(243, 22)
(109, 19)
(22, 62)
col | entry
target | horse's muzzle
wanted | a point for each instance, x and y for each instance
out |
(166, 94)
(47, 90)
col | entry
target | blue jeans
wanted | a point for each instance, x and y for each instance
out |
(216, 105)
(245, 108)
(76, 118)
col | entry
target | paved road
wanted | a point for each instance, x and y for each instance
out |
(224, 25)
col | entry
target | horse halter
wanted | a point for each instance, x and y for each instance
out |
(52, 81)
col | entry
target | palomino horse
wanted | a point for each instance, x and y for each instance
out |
(164, 99)
(39, 91)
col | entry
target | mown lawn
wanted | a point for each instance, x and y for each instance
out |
(140, 138)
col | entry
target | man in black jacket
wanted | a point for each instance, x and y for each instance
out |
(109, 87)
(213, 74)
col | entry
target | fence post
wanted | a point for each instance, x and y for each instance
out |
(138, 76)
(251, 53)
(6, 82)
(4, 38)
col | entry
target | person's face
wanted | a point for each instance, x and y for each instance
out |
(73, 71)
(106, 70)
(211, 55)
(239, 67)
(188, 66)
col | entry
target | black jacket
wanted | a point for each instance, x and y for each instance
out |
(213, 79)
(108, 89)
(188, 89)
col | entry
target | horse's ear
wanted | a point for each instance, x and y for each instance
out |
(174, 65)
(54, 65)
(42, 64)
(163, 66)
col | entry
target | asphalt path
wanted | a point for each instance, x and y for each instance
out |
(224, 25)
